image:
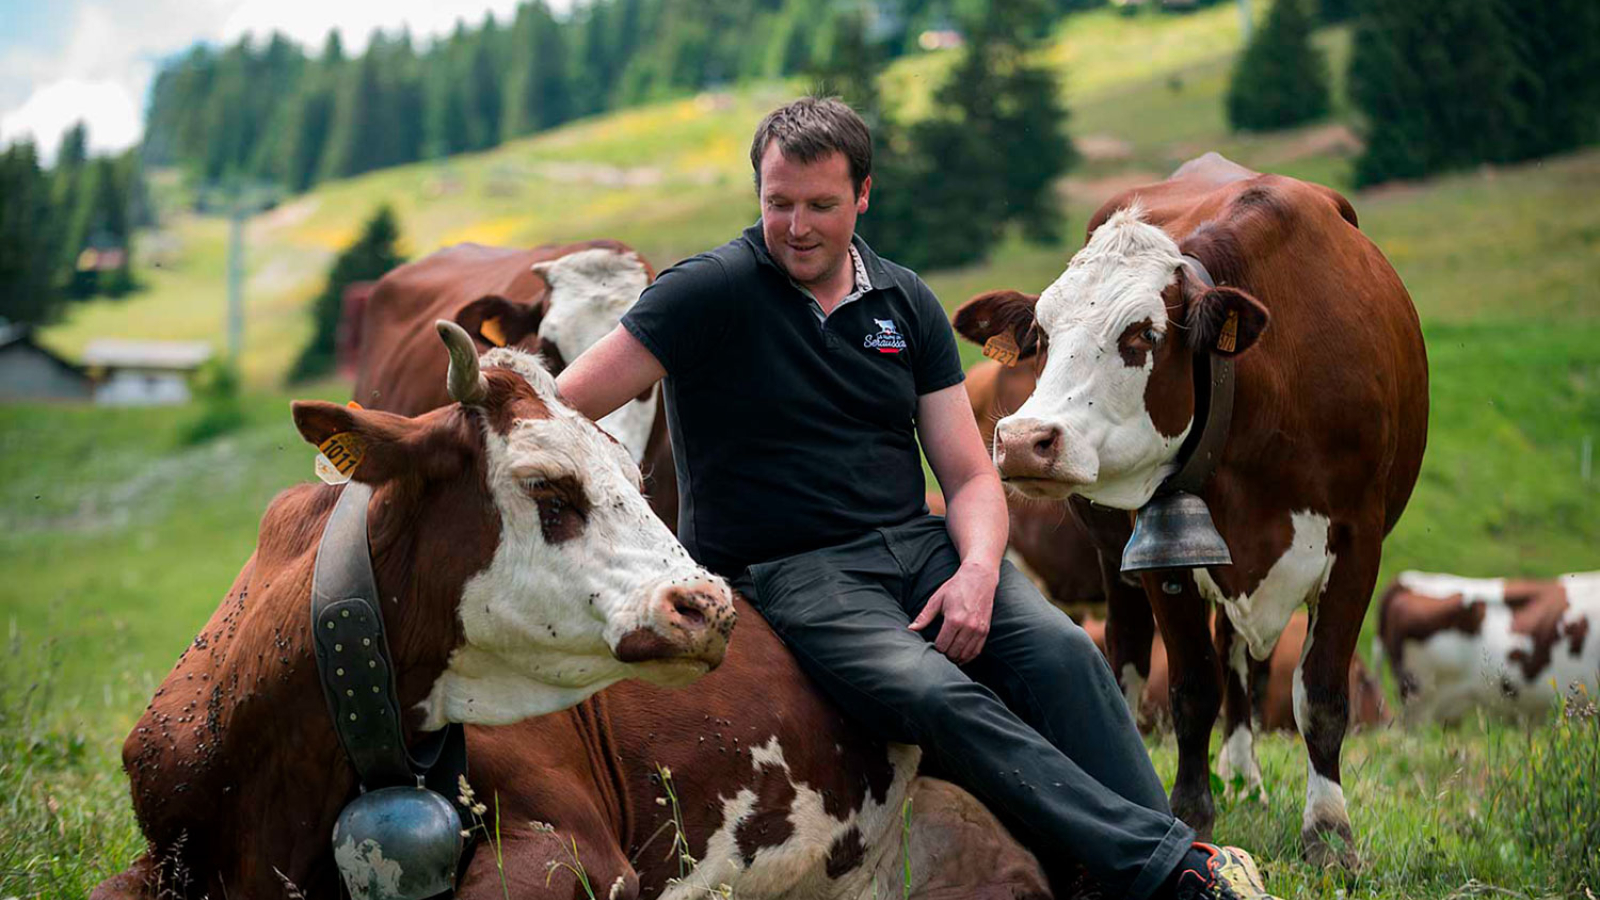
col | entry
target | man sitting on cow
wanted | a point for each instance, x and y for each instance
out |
(800, 371)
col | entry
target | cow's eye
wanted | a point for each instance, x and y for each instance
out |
(563, 509)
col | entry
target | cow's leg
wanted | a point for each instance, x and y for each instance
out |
(1193, 687)
(1236, 764)
(1129, 630)
(1322, 701)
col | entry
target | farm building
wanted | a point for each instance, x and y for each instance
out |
(143, 373)
(29, 371)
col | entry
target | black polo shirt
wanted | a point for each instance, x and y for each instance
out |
(790, 432)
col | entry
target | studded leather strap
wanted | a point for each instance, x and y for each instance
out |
(1213, 392)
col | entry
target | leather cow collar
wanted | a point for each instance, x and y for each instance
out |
(357, 672)
(1213, 398)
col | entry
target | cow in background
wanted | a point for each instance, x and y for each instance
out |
(1323, 450)
(1272, 702)
(553, 300)
(1456, 645)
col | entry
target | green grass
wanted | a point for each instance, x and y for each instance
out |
(117, 538)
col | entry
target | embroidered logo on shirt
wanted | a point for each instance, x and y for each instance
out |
(887, 340)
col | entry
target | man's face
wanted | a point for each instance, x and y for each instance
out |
(808, 213)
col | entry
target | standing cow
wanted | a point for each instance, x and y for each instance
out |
(520, 573)
(1504, 645)
(553, 300)
(1326, 438)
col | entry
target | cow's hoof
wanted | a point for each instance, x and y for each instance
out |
(1197, 812)
(1330, 846)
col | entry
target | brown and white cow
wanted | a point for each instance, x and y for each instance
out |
(1456, 644)
(553, 300)
(1272, 701)
(1327, 434)
(524, 573)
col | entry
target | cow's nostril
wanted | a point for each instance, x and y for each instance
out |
(689, 611)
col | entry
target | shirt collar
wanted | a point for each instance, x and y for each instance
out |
(870, 271)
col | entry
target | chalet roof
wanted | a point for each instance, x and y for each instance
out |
(115, 353)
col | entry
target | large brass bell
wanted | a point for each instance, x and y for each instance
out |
(1174, 531)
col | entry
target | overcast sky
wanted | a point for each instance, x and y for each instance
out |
(64, 60)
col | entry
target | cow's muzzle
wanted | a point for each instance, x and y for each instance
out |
(686, 621)
(1032, 456)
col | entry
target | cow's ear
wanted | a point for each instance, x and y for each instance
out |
(1224, 320)
(367, 445)
(494, 321)
(995, 313)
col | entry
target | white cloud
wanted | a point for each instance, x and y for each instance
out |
(309, 21)
(113, 115)
(103, 72)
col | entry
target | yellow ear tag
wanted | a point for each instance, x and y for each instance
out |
(1229, 338)
(492, 332)
(338, 457)
(1003, 349)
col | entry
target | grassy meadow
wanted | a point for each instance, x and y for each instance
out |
(118, 534)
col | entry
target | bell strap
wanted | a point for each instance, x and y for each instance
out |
(1213, 383)
(352, 653)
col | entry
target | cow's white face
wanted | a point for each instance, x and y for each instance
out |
(1105, 321)
(589, 292)
(587, 586)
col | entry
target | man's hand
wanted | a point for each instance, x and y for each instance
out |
(965, 601)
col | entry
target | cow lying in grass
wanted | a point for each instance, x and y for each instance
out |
(521, 572)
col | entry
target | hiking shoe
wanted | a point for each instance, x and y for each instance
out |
(1228, 874)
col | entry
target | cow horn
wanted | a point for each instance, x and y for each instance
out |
(466, 382)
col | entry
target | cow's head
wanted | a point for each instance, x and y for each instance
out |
(583, 585)
(589, 292)
(1117, 334)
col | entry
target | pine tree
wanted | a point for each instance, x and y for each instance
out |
(481, 87)
(445, 95)
(1281, 79)
(27, 266)
(373, 253)
(998, 122)
(538, 95)
(356, 134)
(110, 228)
(1439, 82)
(1559, 44)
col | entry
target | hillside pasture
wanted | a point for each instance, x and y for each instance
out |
(117, 538)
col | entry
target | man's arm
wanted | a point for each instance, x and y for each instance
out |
(975, 514)
(612, 372)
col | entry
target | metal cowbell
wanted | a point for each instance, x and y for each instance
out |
(1174, 531)
(398, 843)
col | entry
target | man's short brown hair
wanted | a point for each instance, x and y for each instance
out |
(811, 128)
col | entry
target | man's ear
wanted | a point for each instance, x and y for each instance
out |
(1222, 320)
(495, 321)
(1000, 313)
(374, 445)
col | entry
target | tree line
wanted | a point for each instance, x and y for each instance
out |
(1441, 84)
(271, 110)
(66, 231)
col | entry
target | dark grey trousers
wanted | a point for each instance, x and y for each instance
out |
(1035, 726)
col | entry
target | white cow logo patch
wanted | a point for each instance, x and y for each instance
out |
(887, 340)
